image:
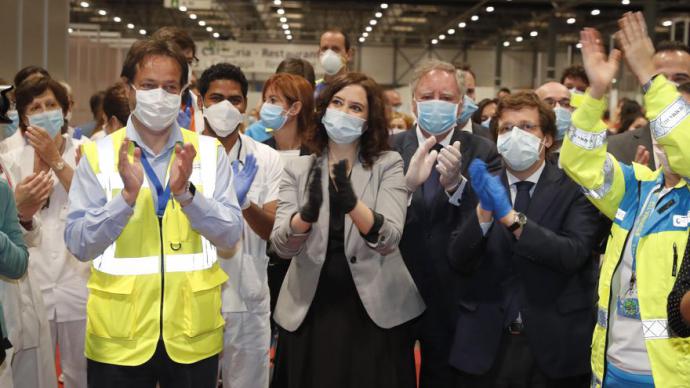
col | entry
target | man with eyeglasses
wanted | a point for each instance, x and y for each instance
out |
(526, 300)
(190, 116)
(557, 97)
(149, 205)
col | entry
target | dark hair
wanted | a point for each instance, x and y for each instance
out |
(684, 88)
(222, 71)
(477, 115)
(27, 72)
(629, 119)
(521, 100)
(143, 49)
(177, 35)
(630, 111)
(116, 102)
(295, 88)
(96, 103)
(341, 32)
(672, 45)
(575, 71)
(33, 87)
(374, 140)
(504, 89)
(297, 66)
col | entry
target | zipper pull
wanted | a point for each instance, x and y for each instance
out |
(675, 260)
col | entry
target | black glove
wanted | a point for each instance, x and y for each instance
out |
(310, 210)
(345, 195)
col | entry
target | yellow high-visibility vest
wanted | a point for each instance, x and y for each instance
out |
(160, 279)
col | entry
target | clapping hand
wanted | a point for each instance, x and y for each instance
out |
(310, 210)
(345, 194)
(182, 168)
(449, 165)
(421, 164)
(243, 178)
(31, 193)
(131, 172)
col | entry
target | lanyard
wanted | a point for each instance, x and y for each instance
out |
(649, 206)
(163, 194)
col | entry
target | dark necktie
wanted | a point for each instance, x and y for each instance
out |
(432, 185)
(522, 197)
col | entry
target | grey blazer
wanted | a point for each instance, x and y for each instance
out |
(624, 146)
(383, 282)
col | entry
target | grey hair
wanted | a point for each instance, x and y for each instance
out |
(435, 64)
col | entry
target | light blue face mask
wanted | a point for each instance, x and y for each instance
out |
(468, 107)
(341, 127)
(563, 121)
(486, 123)
(10, 129)
(272, 116)
(437, 117)
(52, 121)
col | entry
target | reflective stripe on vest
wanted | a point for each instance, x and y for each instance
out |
(203, 172)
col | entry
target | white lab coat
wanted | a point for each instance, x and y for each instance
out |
(61, 276)
(27, 324)
(246, 298)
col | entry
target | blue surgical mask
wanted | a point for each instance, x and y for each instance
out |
(486, 123)
(519, 149)
(272, 116)
(10, 129)
(341, 127)
(52, 121)
(468, 107)
(437, 117)
(563, 121)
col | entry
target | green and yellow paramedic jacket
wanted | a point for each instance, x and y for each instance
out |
(620, 191)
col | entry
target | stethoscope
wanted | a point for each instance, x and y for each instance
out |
(239, 151)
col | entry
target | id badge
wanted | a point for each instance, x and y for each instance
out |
(628, 305)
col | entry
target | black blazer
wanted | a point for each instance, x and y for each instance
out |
(550, 270)
(478, 130)
(425, 236)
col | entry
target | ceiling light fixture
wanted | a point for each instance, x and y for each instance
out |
(84, 4)
(202, 23)
(281, 11)
(595, 12)
(368, 29)
(489, 9)
(434, 41)
(518, 39)
(182, 8)
(209, 29)
(361, 40)
(373, 22)
(474, 18)
(117, 19)
(102, 12)
(533, 34)
(451, 31)
(130, 26)
(570, 21)
(192, 16)
(378, 14)
(667, 23)
(283, 19)
(384, 5)
(216, 35)
(506, 44)
(142, 32)
(462, 24)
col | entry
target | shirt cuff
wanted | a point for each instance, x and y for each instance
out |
(457, 195)
(196, 209)
(119, 210)
(485, 227)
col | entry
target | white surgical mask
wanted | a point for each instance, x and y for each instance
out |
(341, 127)
(156, 108)
(519, 149)
(223, 118)
(331, 62)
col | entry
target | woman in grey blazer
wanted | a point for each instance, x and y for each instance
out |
(346, 305)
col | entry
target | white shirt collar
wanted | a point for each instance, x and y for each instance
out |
(534, 178)
(445, 142)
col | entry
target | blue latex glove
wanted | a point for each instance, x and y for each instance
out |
(242, 179)
(479, 176)
(499, 197)
(184, 118)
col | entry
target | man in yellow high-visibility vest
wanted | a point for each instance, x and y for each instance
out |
(149, 204)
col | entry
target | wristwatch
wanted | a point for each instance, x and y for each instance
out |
(59, 165)
(520, 221)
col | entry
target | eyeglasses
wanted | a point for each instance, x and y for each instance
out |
(563, 102)
(525, 126)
